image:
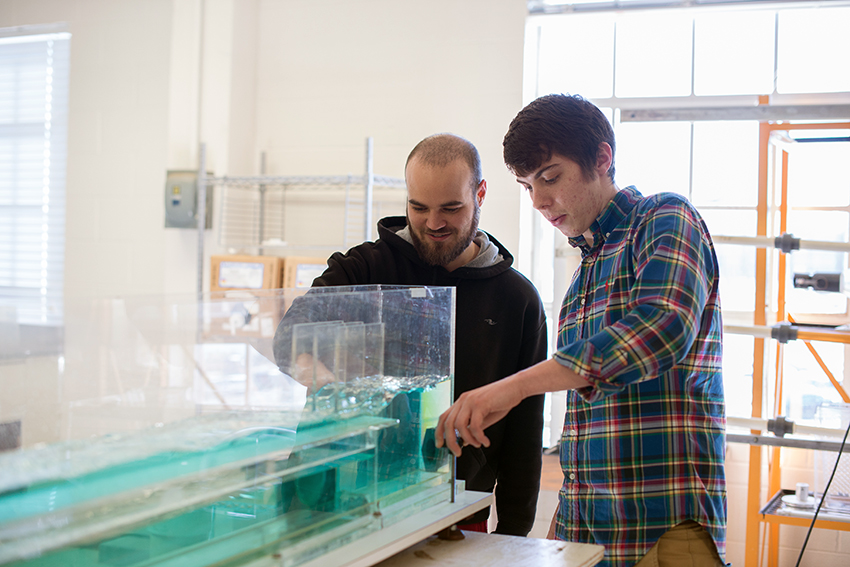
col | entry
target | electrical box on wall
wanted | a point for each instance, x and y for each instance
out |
(181, 200)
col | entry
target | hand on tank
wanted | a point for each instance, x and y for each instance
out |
(475, 411)
(310, 372)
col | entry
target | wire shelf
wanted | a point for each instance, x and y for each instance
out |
(304, 212)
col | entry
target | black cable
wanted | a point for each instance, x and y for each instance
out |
(823, 497)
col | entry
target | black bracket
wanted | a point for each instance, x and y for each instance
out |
(784, 332)
(786, 242)
(780, 426)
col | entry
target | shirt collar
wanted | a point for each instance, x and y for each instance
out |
(617, 209)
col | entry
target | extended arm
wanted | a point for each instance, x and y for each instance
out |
(478, 409)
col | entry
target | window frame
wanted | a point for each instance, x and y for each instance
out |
(33, 166)
(542, 267)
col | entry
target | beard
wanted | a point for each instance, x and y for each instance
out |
(443, 253)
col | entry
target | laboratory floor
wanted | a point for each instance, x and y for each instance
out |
(550, 483)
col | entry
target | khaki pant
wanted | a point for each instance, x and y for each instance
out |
(686, 545)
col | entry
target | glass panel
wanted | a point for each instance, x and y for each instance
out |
(831, 470)
(830, 226)
(737, 277)
(566, 65)
(654, 54)
(726, 163)
(737, 263)
(738, 374)
(807, 387)
(813, 55)
(813, 183)
(654, 156)
(733, 52)
(732, 222)
(166, 434)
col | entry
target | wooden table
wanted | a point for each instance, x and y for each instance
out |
(375, 547)
(493, 550)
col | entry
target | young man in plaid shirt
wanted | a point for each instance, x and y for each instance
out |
(639, 351)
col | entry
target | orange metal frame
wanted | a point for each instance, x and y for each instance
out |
(754, 518)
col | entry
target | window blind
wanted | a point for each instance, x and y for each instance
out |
(33, 149)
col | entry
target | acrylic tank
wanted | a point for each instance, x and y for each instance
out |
(178, 431)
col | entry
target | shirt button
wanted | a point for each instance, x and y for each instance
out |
(582, 301)
(573, 432)
(572, 476)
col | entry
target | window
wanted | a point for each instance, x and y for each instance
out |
(33, 132)
(813, 54)
(709, 57)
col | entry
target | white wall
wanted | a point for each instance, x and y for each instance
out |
(333, 73)
(307, 81)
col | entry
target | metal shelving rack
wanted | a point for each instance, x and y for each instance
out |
(254, 209)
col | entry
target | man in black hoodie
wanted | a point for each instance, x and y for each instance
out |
(500, 325)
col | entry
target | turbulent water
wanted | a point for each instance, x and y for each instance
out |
(369, 394)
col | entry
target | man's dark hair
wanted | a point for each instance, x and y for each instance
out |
(440, 150)
(557, 124)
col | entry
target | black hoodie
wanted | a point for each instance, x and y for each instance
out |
(500, 330)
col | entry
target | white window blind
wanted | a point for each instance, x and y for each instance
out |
(33, 148)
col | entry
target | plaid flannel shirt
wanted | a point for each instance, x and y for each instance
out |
(643, 447)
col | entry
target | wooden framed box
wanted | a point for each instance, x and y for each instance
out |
(236, 271)
(300, 271)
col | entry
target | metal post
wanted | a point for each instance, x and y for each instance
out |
(201, 214)
(201, 220)
(370, 178)
(262, 228)
(453, 472)
(752, 537)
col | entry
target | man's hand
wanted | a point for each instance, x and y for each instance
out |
(311, 373)
(475, 411)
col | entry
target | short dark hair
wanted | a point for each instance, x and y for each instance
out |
(439, 150)
(567, 125)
